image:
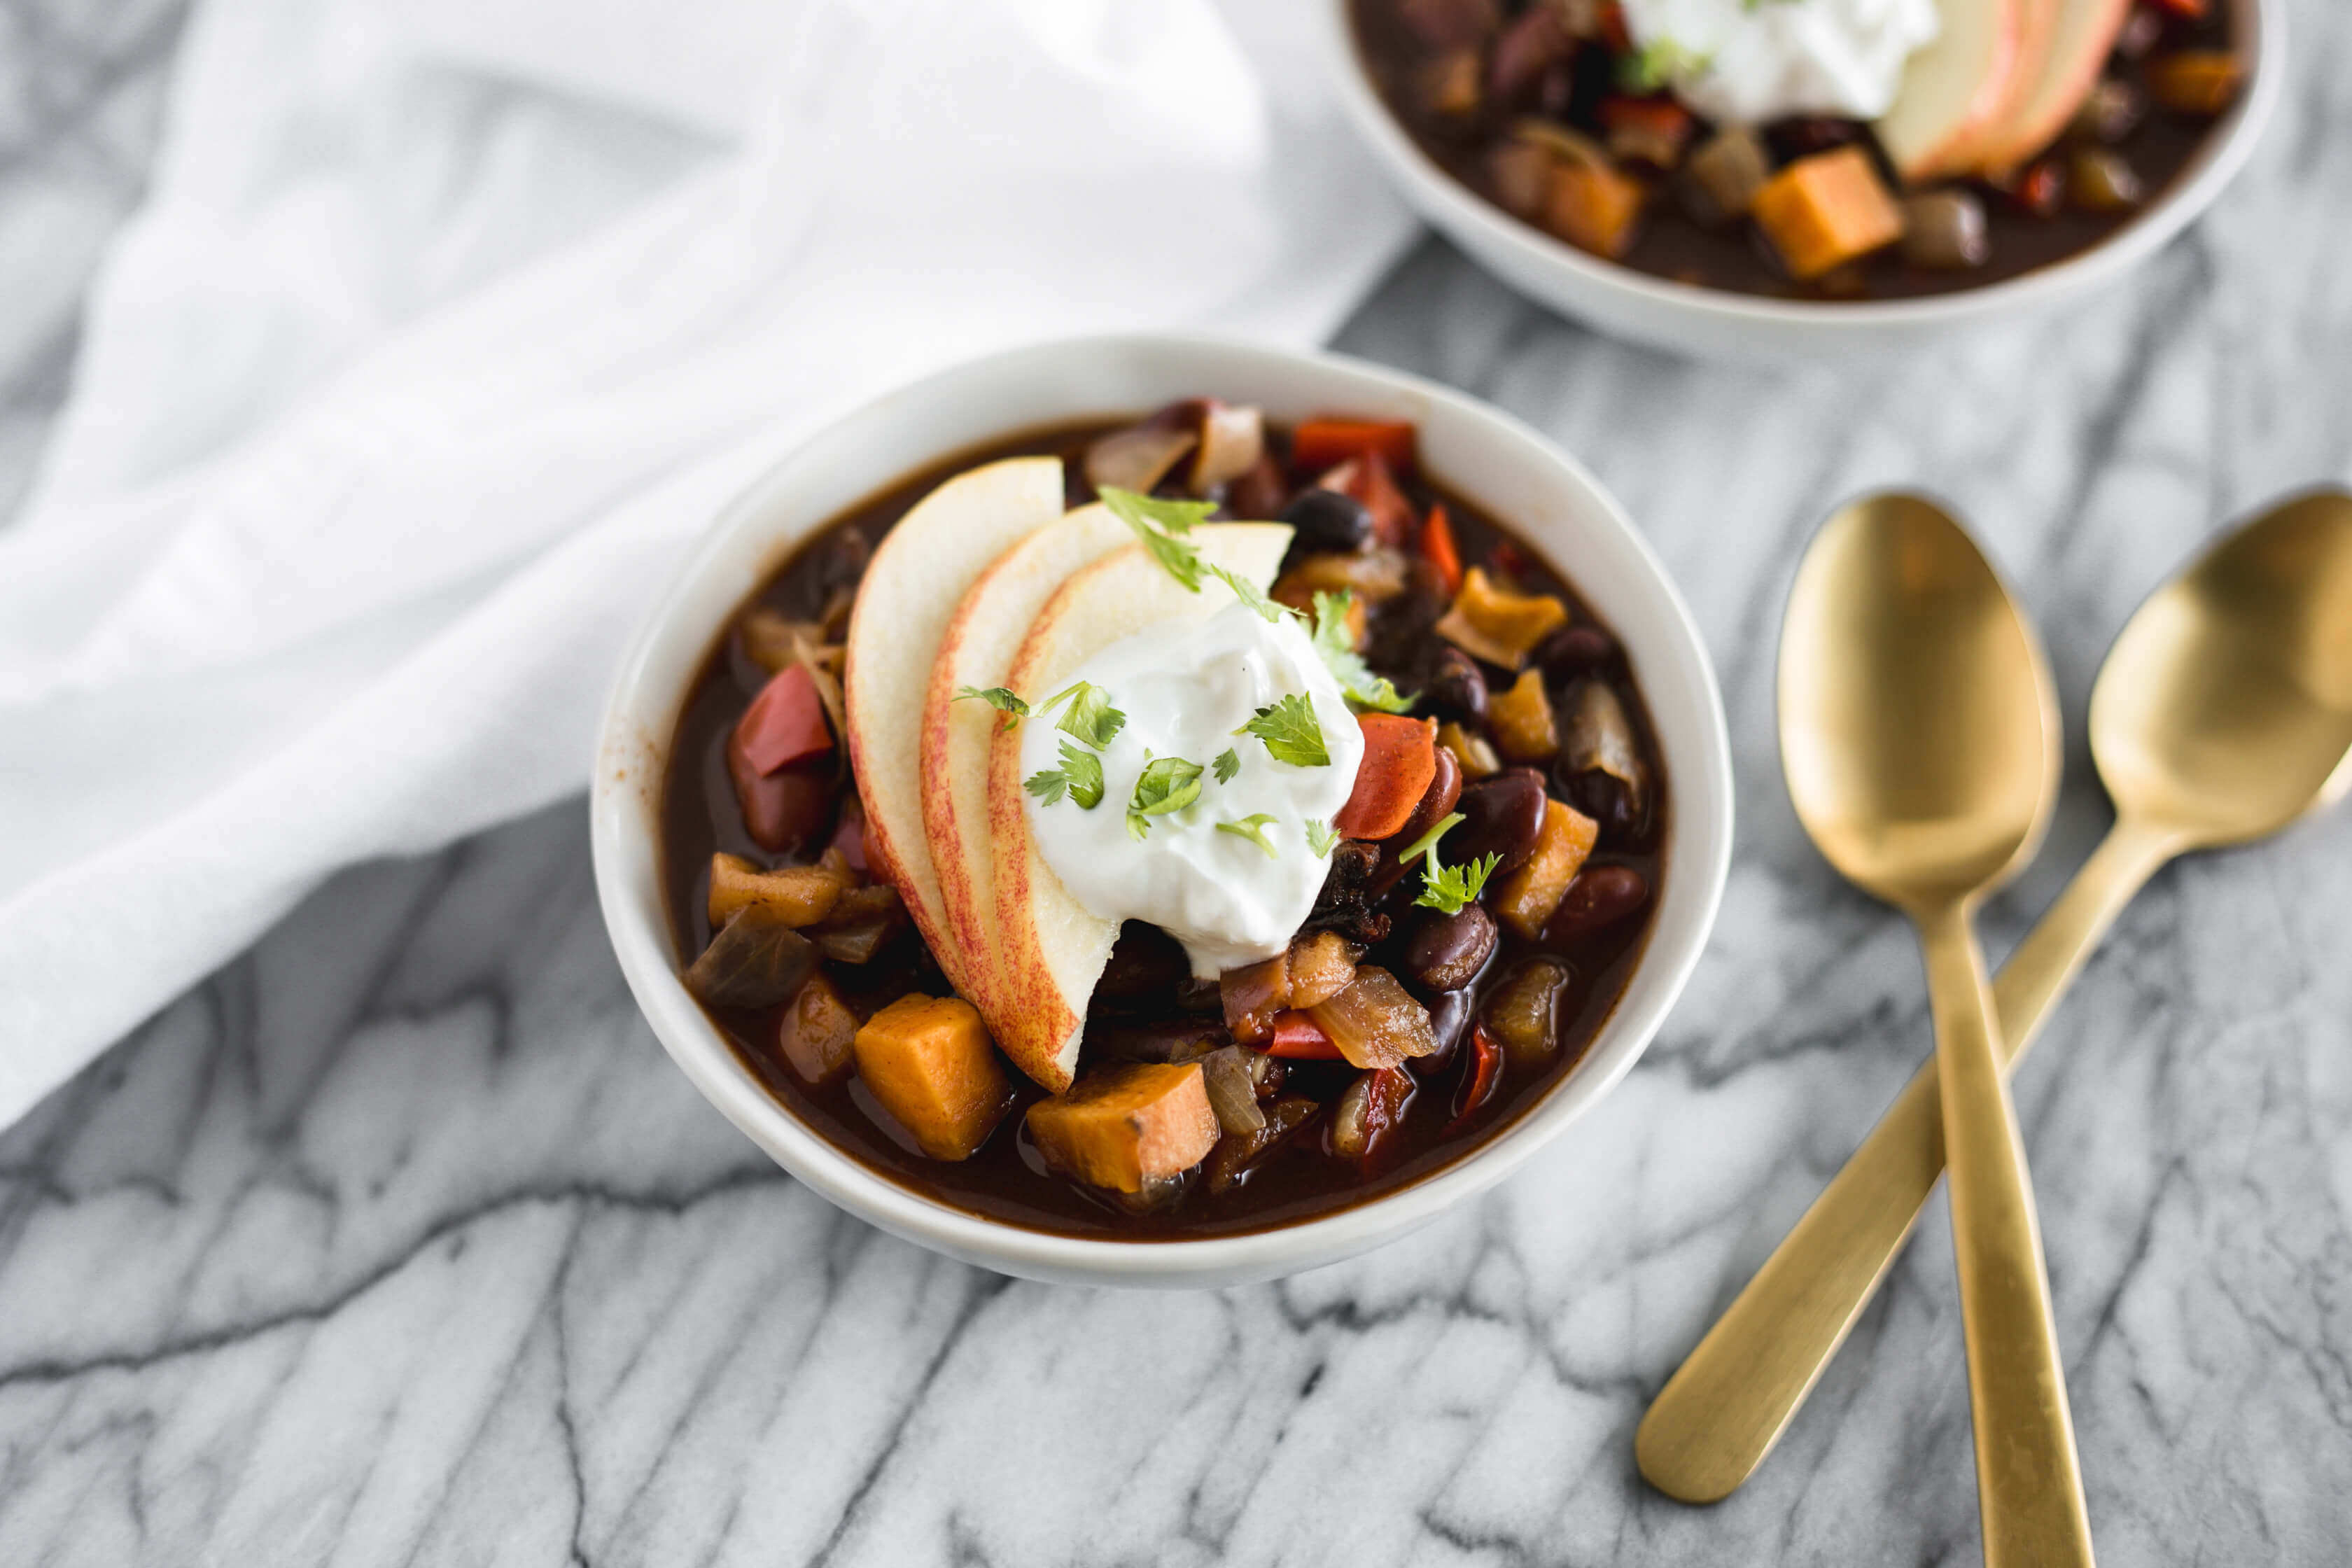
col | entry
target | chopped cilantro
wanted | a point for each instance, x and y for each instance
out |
(1162, 524)
(1451, 888)
(998, 698)
(1166, 784)
(1080, 775)
(1291, 732)
(1227, 764)
(1251, 828)
(1091, 717)
(1363, 689)
(1427, 842)
(1321, 837)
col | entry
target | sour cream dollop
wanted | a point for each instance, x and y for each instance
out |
(1185, 689)
(1746, 62)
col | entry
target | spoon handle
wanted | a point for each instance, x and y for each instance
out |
(1722, 1410)
(2029, 1481)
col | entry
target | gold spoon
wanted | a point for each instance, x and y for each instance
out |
(1919, 735)
(2221, 715)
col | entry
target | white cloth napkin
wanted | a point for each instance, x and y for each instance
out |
(449, 322)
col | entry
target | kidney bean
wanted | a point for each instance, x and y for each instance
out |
(786, 810)
(1598, 898)
(1501, 816)
(1328, 521)
(1456, 688)
(1445, 952)
(1574, 650)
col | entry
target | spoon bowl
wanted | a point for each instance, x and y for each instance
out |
(2225, 709)
(1918, 724)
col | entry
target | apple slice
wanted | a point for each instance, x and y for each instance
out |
(2037, 27)
(1953, 90)
(919, 572)
(2083, 36)
(1052, 949)
(978, 650)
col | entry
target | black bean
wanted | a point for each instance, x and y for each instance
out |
(1444, 952)
(1328, 521)
(1575, 650)
(1456, 688)
(1501, 816)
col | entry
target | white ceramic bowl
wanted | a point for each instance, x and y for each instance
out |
(1494, 460)
(1719, 323)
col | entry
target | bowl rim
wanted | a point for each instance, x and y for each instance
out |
(1461, 211)
(639, 720)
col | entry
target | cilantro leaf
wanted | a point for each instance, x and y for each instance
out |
(1251, 828)
(1291, 732)
(1362, 687)
(1450, 888)
(998, 698)
(1161, 524)
(1091, 717)
(1321, 837)
(1227, 764)
(1428, 841)
(1249, 594)
(1658, 62)
(1166, 784)
(1080, 775)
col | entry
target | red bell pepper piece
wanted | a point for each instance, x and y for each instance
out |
(1613, 31)
(1301, 1039)
(1367, 478)
(1319, 444)
(1437, 547)
(785, 723)
(1662, 116)
(1483, 1078)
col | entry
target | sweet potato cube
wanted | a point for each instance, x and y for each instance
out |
(932, 1064)
(1125, 1126)
(1530, 894)
(818, 1035)
(1522, 720)
(1823, 211)
(1593, 207)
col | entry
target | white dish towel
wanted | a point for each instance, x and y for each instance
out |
(449, 323)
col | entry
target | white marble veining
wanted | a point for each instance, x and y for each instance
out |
(399, 1241)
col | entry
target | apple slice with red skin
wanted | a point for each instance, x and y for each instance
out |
(2037, 27)
(985, 633)
(919, 572)
(1953, 90)
(2081, 40)
(1052, 949)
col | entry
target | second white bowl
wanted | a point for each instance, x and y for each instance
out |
(1719, 323)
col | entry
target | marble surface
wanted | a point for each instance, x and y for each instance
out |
(399, 1241)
